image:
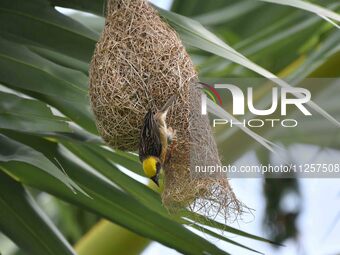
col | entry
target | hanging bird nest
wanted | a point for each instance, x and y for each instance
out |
(138, 63)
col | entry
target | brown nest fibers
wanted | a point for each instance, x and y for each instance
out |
(138, 63)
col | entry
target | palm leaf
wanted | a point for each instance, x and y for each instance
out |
(24, 222)
(323, 12)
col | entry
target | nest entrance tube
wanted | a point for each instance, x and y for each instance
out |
(138, 63)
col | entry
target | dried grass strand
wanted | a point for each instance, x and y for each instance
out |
(138, 63)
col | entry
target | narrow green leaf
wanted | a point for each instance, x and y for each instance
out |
(227, 13)
(24, 222)
(125, 159)
(108, 201)
(197, 7)
(310, 7)
(28, 115)
(38, 23)
(61, 87)
(288, 27)
(38, 74)
(93, 157)
(61, 59)
(329, 47)
(94, 22)
(14, 153)
(96, 7)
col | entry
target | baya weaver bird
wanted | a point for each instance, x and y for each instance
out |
(155, 137)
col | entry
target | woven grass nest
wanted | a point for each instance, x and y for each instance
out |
(138, 63)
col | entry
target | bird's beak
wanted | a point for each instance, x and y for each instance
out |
(155, 179)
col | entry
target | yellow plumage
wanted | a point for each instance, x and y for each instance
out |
(149, 166)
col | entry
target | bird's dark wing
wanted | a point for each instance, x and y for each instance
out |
(150, 143)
